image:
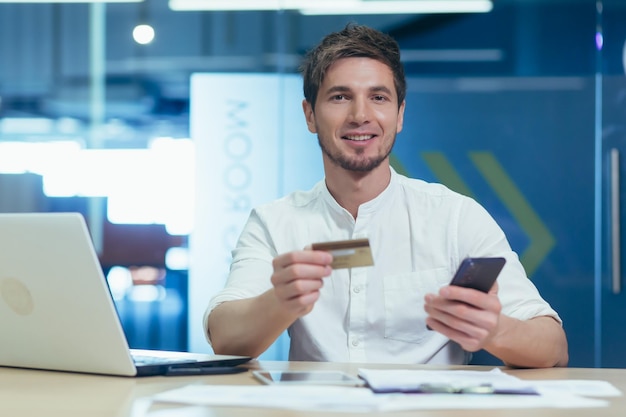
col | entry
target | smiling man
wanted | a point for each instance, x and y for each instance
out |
(354, 89)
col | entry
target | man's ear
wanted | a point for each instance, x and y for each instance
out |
(400, 122)
(309, 115)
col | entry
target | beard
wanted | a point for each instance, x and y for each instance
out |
(355, 163)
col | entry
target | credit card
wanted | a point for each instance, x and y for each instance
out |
(348, 253)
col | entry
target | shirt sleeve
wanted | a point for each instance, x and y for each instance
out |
(480, 235)
(251, 267)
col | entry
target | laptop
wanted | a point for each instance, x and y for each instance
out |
(56, 310)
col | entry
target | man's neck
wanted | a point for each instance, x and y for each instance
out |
(351, 189)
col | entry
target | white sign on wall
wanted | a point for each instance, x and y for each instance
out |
(252, 146)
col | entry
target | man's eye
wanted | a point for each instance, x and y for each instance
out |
(339, 97)
(380, 98)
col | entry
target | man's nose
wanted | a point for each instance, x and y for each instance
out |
(359, 111)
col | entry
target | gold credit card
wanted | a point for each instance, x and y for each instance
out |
(348, 253)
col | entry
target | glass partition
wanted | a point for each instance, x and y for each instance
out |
(610, 141)
(502, 106)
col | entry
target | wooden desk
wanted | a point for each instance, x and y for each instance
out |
(26, 393)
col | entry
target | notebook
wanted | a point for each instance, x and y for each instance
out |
(56, 310)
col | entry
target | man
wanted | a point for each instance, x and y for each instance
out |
(355, 89)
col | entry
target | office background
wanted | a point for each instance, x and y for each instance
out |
(165, 146)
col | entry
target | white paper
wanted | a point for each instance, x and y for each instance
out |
(407, 380)
(349, 399)
(310, 397)
(399, 402)
(584, 387)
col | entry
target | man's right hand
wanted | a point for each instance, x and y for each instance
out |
(298, 277)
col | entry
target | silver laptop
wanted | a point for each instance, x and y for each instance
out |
(56, 310)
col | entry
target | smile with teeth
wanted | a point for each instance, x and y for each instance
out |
(358, 138)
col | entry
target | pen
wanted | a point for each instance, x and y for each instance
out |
(451, 389)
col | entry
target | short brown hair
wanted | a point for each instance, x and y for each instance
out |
(352, 42)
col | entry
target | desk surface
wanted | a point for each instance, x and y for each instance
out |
(25, 393)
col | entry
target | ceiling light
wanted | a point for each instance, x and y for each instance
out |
(328, 7)
(251, 5)
(143, 34)
(402, 7)
(70, 1)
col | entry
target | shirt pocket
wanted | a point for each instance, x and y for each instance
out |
(405, 318)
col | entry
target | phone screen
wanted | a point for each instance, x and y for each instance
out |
(307, 377)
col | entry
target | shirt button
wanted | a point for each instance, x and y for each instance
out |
(357, 289)
(355, 342)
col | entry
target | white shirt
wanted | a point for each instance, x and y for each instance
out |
(418, 232)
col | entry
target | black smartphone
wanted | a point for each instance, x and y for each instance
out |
(478, 273)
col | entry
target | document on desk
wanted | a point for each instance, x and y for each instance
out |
(584, 387)
(478, 382)
(295, 397)
(351, 399)
(445, 382)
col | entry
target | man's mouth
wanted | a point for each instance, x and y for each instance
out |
(358, 138)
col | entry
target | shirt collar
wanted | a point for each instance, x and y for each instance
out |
(368, 207)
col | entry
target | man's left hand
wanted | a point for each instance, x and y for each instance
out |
(466, 316)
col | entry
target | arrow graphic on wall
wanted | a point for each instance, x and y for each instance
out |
(541, 240)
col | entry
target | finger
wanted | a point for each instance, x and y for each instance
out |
(302, 257)
(469, 342)
(483, 313)
(304, 302)
(298, 288)
(299, 296)
(297, 272)
(464, 323)
(466, 333)
(479, 299)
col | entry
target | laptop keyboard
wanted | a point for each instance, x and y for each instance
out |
(157, 360)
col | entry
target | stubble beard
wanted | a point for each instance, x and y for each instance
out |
(355, 164)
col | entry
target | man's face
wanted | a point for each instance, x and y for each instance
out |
(356, 115)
